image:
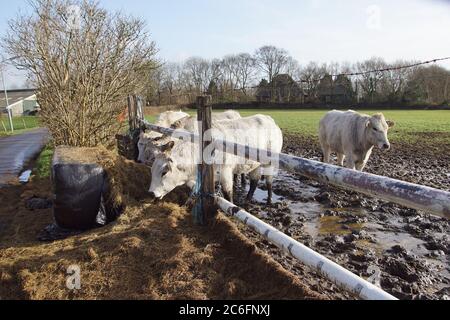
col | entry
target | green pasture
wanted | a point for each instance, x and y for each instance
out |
(410, 124)
(20, 124)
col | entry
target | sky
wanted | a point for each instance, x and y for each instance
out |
(310, 30)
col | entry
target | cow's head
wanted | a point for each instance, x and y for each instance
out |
(142, 146)
(149, 148)
(166, 173)
(377, 130)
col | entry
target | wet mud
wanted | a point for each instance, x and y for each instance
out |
(403, 250)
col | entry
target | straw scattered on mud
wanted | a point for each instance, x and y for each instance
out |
(153, 251)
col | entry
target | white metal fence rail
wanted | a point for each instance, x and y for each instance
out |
(329, 269)
(411, 195)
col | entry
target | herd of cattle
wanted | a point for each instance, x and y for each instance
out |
(350, 135)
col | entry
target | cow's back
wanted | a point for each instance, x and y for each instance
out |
(166, 119)
(258, 131)
(226, 115)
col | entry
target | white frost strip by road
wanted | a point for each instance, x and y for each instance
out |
(329, 269)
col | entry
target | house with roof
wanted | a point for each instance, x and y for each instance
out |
(21, 102)
(282, 89)
(336, 91)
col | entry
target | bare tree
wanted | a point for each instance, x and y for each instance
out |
(245, 71)
(311, 75)
(370, 83)
(84, 66)
(271, 60)
(430, 85)
(202, 72)
(394, 82)
(292, 68)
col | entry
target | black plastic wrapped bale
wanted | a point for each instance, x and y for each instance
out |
(127, 145)
(79, 183)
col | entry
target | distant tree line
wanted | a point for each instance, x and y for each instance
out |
(247, 77)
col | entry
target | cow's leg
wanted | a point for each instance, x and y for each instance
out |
(269, 180)
(350, 162)
(255, 176)
(340, 159)
(251, 192)
(326, 154)
(361, 165)
(226, 181)
(243, 182)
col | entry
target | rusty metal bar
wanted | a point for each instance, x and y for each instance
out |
(411, 195)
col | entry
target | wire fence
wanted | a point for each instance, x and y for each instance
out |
(355, 74)
(190, 95)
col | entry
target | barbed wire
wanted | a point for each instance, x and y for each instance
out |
(350, 74)
(407, 66)
(301, 81)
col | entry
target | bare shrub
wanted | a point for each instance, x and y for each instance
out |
(84, 62)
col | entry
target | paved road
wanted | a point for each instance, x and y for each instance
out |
(16, 151)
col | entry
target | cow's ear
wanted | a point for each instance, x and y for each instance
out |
(168, 146)
(390, 123)
(176, 125)
(179, 123)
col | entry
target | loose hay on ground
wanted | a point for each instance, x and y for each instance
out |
(153, 251)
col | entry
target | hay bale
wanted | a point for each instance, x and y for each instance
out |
(92, 186)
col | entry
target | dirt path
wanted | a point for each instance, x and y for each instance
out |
(17, 150)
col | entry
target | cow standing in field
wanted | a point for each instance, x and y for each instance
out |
(176, 164)
(352, 136)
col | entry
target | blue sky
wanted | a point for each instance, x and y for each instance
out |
(320, 30)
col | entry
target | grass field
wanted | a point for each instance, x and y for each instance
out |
(410, 124)
(44, 161)
(20, 124)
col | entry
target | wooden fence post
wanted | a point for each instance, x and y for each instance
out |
(135, 112)
(130, 113)
(209, 208)
(139, 111)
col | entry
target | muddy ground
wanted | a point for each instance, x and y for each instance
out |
(155, 252)
(403, 250)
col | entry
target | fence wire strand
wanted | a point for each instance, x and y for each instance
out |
(347, 74)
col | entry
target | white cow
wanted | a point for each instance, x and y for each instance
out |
(176, 165)
(149, 142)
(352, 136)
(165, 119)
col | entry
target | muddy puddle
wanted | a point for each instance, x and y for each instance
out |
(402, 250)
